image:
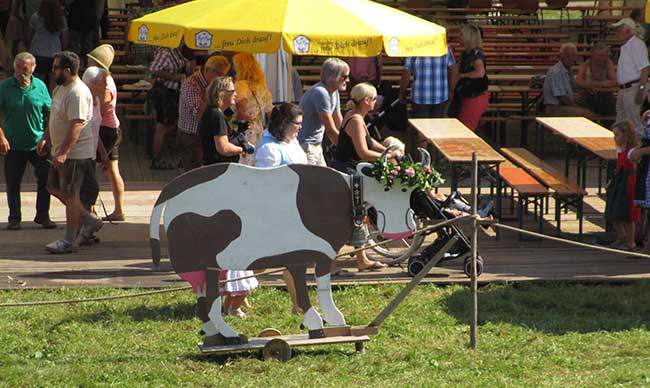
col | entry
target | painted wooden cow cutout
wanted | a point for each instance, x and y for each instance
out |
(236, 217)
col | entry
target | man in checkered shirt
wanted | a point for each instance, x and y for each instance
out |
(191, 107)
(433, 79)
(168, 70)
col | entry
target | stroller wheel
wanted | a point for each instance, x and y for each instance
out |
(415, 265)
(467, 266)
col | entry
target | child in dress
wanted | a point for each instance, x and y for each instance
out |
(641, 155)
(620, 208)
(235, 292)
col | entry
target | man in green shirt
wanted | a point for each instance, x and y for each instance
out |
(25, 105)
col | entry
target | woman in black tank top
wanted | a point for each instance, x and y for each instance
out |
(355, 143)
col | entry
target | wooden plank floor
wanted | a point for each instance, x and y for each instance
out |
(122, 259)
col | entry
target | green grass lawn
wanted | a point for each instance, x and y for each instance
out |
(530, 335)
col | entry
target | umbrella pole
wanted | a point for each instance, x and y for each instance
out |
(289, 76)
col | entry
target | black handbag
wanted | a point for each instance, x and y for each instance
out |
(617, 207)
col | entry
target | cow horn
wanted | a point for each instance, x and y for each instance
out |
(426, 158)
(386, 151)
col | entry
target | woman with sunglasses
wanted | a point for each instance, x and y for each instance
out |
(219, 140)
(278, 145)
(221, 144)
(355, 143)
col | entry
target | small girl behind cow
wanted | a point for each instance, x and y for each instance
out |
(234, 292)
(620, 208)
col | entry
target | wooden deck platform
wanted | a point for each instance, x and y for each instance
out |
(122, 259)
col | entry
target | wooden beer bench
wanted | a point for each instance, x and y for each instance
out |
(565, 193)
(529, 191)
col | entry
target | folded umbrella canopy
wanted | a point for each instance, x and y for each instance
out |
(354, 28)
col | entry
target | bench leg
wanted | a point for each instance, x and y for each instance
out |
(579, 212)
(541, 214)
(583, 166)
(498, 201)
(454, 178)
(566, 161)
(558, 214)
(520, 215)
(540, 140)
(600, 176)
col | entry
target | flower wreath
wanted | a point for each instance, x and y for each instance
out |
(408, 174)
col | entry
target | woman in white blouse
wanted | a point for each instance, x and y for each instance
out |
(278, 145)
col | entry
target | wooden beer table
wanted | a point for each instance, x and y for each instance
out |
(590, 139)
(456, 143)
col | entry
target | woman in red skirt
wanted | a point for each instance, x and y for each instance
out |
(472, 87)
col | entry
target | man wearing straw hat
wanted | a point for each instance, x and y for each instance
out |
(109, 131)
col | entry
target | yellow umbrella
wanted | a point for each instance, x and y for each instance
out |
(355, 28)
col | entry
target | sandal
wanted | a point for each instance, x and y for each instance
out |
(375, 266)
(616, 245)
(114, 217)
(344, 273)
(627, 247)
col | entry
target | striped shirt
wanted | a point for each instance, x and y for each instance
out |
(169, 60)
(192, 91)
(557, 84)
(430, 78)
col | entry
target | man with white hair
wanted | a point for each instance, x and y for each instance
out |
(558, 89)
(321, 109)
(632, 73)
(25, 104)
(95, 79)
(321, 115)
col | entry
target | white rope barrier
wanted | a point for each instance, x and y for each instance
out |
(115, 297)
(370, 246)
(570, 242)
(149, 293)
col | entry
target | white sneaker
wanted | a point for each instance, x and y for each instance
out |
(59, 246)
(87, 230)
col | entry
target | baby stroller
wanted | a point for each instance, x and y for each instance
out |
(428, 210)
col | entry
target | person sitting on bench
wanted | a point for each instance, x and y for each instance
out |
(597, 77)
(558, 92)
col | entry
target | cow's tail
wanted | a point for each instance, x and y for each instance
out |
(154, 232)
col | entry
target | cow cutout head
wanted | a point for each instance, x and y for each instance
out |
(394, 215)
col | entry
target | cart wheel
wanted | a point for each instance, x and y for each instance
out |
(415, 265)
(276, 349)
(467, 266)
(358, 346)
(269, 332)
